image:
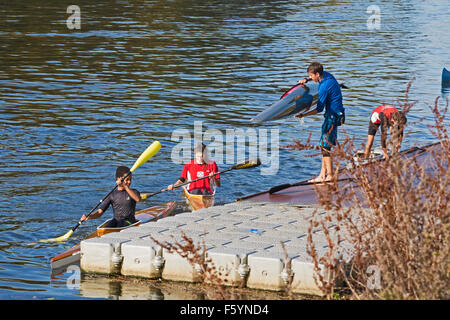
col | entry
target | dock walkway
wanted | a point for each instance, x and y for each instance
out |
(242, 239)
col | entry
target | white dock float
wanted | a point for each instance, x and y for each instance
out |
(242, 239)
(141, 258)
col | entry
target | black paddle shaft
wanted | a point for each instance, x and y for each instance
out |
(186, 183)
(237, 166)
(301, 183)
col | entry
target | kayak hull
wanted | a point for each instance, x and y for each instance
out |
(102, 230)
(197, 202)
(72, 255)
(445, 78)
(288, 105)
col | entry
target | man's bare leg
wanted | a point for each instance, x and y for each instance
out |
(326, 171)
(326, 160)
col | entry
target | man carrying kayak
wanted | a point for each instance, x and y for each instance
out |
(123, 200)
(330, 99)
(390, 117)
(198, 168)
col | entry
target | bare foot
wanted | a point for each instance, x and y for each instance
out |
(316, 180)
(328, 179)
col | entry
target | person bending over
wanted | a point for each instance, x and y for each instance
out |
(390, 117)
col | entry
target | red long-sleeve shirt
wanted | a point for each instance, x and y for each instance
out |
(192, 171)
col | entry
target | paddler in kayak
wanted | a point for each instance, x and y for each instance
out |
(123, 200)
(330, 99)
(199, 167)
(390, 117)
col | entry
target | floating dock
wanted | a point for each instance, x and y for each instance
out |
(243, 239)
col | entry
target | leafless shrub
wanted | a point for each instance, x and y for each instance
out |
(299, 145)
(391, 234)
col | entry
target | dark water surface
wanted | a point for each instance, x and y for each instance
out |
(74, 104)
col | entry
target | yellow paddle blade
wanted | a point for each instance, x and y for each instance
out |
(247, 164)
(143, 196)
(143, 158)
(147, 154)
(62, 238)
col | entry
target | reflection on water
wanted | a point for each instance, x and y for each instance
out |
(128, 288)
(133, 289)
(445, 94)
(74, 104)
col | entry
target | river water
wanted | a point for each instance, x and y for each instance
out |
(76, 103)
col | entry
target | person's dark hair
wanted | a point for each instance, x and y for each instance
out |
(121, 170)
(315, 67)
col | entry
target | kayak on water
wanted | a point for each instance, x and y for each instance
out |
(445, 78)
(154, 213)
(198, 201)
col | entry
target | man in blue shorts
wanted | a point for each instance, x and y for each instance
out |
(330, 98)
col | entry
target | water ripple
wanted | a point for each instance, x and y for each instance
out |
(77, 103)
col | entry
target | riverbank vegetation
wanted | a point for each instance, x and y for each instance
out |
(392, 242)
(387, 226)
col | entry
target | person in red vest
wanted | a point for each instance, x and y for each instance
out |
(390, 117)
(197, 168)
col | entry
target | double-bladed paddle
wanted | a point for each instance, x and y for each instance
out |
(301, 183)
(143, 158)
(244, 165)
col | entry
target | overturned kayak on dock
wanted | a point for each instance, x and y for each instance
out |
(72, 255)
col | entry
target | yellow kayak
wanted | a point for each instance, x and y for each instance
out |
(197, 202)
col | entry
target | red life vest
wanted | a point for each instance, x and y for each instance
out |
(386, 109)
(192, 171)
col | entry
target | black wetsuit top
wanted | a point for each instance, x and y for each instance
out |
(124, 207)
